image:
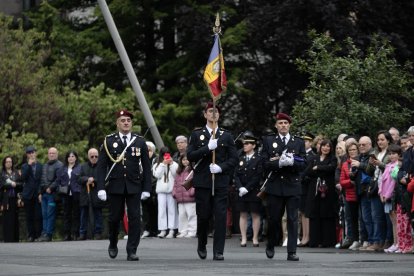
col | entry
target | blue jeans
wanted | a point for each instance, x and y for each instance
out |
(363, 235)
(48, 213)
(84, 220)
(378, 220)
(367, 217)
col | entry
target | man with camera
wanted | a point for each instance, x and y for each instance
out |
(216, 156)
(124, 170)
(31, 178)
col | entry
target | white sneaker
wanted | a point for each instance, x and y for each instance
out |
(355, 245)
(145, 234)
(181, 235)
(364, 245)
(170, 234)
(285, 243)
(125, 237)
(298, 242)
(391, 249)
(338, 245)
(162, 234)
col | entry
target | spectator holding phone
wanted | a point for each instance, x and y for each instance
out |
(165, 171)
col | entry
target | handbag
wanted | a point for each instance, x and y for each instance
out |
(63, 190)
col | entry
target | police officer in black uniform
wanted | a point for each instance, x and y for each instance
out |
(201, 147)
(124, 166)
(285, 157)
(247, 178)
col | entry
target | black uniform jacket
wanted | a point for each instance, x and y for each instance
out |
(248, 175)
(285, 181)
(226, 157)
(132, 174)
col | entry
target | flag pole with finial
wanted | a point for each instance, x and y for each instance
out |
(215, 79)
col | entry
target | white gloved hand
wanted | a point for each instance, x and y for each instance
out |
(289, 159)
(102, 195)
(214, 168)
(212, 144)
(242, 191)
(145, 195)
(282, 161)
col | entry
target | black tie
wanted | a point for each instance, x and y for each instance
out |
(284, 140)
(125, 140)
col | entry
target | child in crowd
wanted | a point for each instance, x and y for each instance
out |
(164, 170)
(187, 217)
(386, 192)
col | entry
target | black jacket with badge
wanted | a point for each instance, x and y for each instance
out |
(226, 157)
(248, 175)
(285, 181)
(131, 174)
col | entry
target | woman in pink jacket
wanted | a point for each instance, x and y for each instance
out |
(187, 217)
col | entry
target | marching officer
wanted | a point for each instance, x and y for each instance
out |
(200, 151)
(284, 158)
(124, 167)
(247, 178)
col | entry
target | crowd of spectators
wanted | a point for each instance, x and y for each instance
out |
(356, 194)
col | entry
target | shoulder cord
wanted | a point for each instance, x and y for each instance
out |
(119, 158)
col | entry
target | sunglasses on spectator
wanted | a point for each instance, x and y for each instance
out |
(94, 156)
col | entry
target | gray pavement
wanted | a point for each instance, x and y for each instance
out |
(179, 257)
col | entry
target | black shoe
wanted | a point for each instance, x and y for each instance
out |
(243, 245)
(98, 236)
(270, 252)
(218, 257)
(255, 245)
(30, 239)
(113, 251)
(45, 238)
(202, 253)
(82, 237)
(292, 257)
(132, 257)
(346, 244)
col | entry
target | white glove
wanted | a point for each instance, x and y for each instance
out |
(145, 195)
(289, 159)
(212, 144)
(214, 168)
(102, 195)
(282, 161)
(242, 191)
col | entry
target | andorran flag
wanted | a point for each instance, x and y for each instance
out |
(214, 74)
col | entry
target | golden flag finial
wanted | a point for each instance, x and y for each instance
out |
(217, 27)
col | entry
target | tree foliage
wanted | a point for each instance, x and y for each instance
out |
(69, 80)
(351, 90)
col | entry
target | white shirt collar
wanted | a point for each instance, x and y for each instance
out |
(127, 135)
(210, 129)
(287, 137)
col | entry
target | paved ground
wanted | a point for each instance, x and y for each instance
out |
(179, 257)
